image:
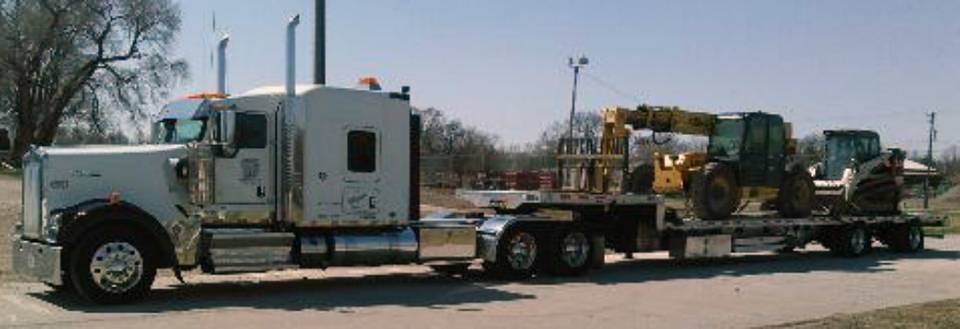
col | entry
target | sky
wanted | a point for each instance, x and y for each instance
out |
(502, 65)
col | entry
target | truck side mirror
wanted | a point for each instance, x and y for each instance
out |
(227, 133)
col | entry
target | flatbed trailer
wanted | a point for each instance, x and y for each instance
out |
(640, 223)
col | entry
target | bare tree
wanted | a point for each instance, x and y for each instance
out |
(585, 125)
(467, 148)
(83, 59)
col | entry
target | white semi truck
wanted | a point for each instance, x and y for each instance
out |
(311, 176)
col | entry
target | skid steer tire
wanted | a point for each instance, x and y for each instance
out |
(715, 192)
(796, 195)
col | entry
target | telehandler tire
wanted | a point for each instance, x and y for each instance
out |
(715, 192)
(795, 197)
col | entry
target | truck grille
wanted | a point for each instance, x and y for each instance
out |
(32, 199)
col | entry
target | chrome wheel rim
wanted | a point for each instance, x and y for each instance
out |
(522, 251)
(576, 249)
(858, 241)
(116, 267)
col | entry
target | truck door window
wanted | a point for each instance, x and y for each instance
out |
(251, 130)
(361, 151)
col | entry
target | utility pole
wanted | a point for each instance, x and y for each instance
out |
(926, 178)
(576, 65)
(320, 43)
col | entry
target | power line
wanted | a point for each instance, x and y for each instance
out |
(612, 88)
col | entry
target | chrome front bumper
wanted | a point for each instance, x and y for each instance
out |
(37, 260)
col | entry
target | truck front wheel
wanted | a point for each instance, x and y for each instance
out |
(112, 265)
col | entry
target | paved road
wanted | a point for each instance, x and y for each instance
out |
(650, 292)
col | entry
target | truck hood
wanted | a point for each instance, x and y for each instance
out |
(112, 150)
(142, 174)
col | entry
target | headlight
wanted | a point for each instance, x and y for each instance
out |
(52, 228)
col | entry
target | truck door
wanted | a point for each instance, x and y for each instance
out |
(244, 178)
(753, 159)
(361, 180)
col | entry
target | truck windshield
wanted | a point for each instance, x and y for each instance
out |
(178, 131)
(726, 138)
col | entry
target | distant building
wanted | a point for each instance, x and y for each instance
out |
(915, 172)
(913, 168)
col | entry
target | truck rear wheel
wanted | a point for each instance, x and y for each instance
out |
(795, 196)
(715, 192)
(516, 255)
(112, 265)
(573, 253)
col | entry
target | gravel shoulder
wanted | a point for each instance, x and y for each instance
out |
(9, 212)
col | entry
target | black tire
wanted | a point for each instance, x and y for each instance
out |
(795, 196)
(715, 192)
(516, 255)
(119, 245)
(572, 253)
(906, 238)
(641, 179)
(850, 241)
(451, 269)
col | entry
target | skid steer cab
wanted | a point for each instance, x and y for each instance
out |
(857, 176)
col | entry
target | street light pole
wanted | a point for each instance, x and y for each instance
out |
(576, 65)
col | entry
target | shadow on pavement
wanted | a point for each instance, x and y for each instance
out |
(328, 294)
(651, 270)
(346, 294)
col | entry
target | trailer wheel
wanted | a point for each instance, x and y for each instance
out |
(852, 241)
(516, 255)
(907, 238)
(112, 265)
(573, 253)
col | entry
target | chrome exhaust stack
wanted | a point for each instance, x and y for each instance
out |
(285, 176)
(222, 65)
(292, 56)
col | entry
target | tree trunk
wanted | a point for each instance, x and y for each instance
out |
(25, 128)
